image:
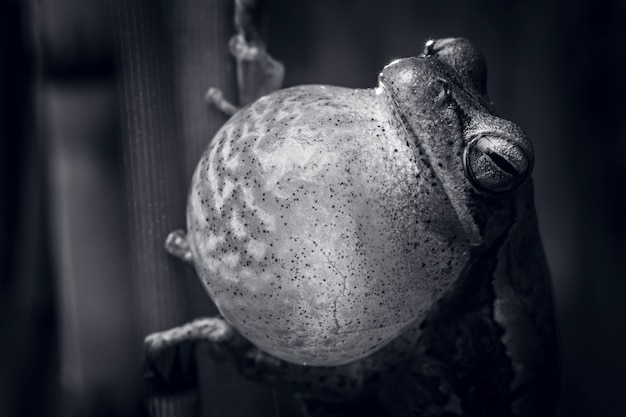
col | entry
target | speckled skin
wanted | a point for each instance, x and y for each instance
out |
(394, 226)
(313, 222)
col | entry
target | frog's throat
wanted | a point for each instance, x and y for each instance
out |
(463, 214)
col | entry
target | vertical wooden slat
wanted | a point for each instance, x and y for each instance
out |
(28, 323)
(201, 30)
(97, 353)
(79, 124)
(155, 189)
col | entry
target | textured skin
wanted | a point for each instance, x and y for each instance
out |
(305, 228)
(363, 197)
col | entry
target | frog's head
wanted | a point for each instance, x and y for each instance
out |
(440, 100)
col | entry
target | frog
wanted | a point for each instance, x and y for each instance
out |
(480, 339)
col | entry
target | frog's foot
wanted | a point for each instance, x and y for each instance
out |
(215, 97)
(176, 244)
(214, 330)
(170, 365)
(258, 73)
(170, 353)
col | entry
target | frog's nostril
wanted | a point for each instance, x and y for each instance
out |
(434, 46)
(494, 164)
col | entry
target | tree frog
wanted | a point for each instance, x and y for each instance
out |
(390, 256)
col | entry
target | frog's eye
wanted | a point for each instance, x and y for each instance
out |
(495, 165)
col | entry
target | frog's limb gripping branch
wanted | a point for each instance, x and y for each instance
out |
(170, 365)
(258, 73)
(173, 346)
(176, 244)
(213, 329)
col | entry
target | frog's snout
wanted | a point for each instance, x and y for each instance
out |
(434, 46)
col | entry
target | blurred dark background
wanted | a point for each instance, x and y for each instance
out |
(102, 120)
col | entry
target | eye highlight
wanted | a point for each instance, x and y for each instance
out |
(494, 164)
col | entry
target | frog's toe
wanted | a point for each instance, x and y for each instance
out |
(243, 50)
(213, 329)
(176, 244)
(215, 98)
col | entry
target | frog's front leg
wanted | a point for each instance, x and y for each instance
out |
(333, 383)
(258, 73)
(321, 389)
